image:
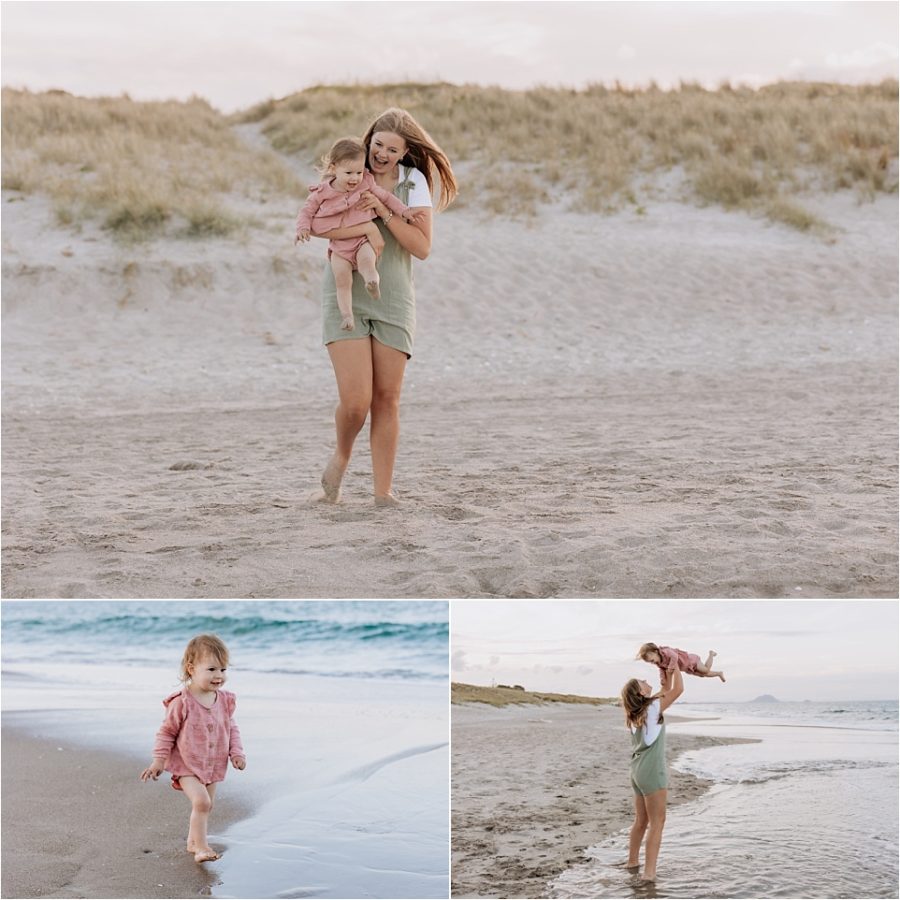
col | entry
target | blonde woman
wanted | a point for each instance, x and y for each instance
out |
(370, 361)
(649, 778)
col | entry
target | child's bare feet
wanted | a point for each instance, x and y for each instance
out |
(713, 654)
(722, 676)
(347, 323)
(374, 288)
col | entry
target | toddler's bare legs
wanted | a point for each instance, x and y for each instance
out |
(201, 797)
(343, 283)
(705, 669)
(365, 262)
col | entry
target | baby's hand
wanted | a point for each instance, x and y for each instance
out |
(154, 770)
(415, 218)
(238, 762)
(302, 236)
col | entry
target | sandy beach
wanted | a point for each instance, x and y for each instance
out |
(534, 787)
(74, 826)
(683, 403)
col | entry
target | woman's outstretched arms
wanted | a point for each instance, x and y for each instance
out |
(674, 690)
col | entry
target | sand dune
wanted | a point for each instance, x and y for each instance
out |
(686, 403)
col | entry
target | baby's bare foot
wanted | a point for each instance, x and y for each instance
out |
(387, 500)
(374, 289)
(331, 481)
(713, 654)
(347, 323)
(722, 676)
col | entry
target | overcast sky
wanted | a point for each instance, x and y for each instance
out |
(238, 53)
(799, 650)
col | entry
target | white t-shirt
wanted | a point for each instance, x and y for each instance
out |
(419, 195)
(652, 727)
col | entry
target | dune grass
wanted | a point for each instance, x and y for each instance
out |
(507, 696)
(735, 147)
(141, 168)
(147, 168)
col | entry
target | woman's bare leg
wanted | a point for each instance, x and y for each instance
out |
(343, 284)
(636, 836)
(656, 812)
(201, 803)
(388, 368)
(352, 362)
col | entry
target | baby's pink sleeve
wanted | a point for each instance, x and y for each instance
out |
(235, 747)
(308, 210)
(170, 728)
(392, 202)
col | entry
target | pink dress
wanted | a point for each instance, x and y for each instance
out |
(328, 208)
(195, 740)
(673, 658)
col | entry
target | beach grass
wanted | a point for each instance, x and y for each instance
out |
(737, 147)
(503, 695)
(140, 168)
(149, 168)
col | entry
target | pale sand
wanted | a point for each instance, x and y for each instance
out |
(533, 787)
(77, 822)
(689, 403)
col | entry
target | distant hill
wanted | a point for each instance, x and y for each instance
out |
(765, 698)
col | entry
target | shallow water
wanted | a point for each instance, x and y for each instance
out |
(807, 812)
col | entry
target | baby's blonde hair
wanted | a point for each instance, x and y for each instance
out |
(203, 644)
(645, 649)
(341, 150)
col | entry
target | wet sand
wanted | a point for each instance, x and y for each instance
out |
(533, 787)
(688, 403)
(77, 822)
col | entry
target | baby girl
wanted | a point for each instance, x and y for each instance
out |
(669, 658)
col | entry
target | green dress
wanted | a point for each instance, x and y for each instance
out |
(648, 764)
(390, 320)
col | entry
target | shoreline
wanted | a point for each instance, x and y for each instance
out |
(77, 822)
(528, 800)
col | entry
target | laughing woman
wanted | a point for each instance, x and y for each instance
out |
(369, 361)
(649, 778)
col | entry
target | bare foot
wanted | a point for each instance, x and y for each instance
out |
(331, 481)
(347, 323)
(205, 854)
(387, 500)
(722, 676)
(713, 653)
(374, 289)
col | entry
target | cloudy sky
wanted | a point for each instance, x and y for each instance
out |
(238, 53)
(799, 650)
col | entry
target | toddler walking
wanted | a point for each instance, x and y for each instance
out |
(669, 658)
(332, 204)
(198, 736)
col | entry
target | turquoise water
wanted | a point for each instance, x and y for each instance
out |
(339, 638)
(808, 810)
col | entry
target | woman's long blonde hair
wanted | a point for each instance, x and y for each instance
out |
(635, 704)
(421, 151)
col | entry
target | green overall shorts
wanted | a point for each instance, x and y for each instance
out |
(648, 764)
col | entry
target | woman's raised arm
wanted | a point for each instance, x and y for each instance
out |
(671, 696)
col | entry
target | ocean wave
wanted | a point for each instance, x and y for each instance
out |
(254, 628)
